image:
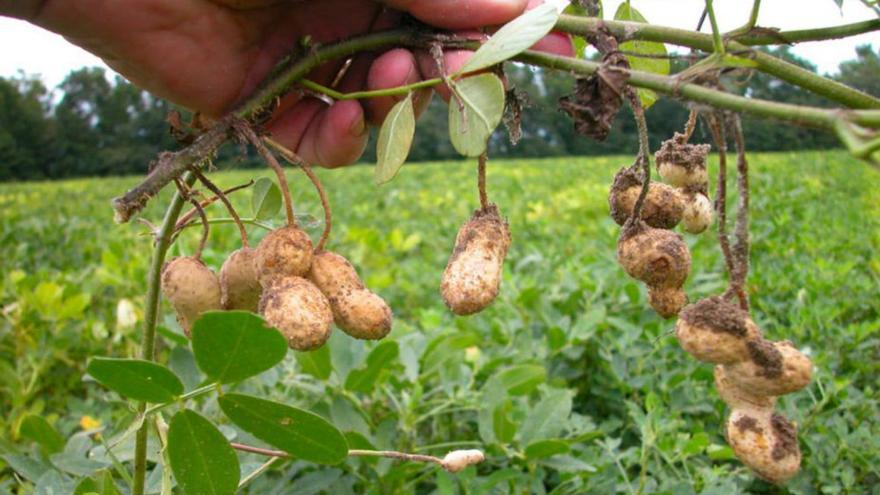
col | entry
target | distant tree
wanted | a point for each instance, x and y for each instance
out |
(863, 72)
(26, 129)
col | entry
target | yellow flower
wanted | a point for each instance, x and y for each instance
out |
(89, 423)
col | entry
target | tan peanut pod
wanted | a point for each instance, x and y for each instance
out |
(681, 164)
(663, 207)
(191, 287)
(472, 277)
(772, 368)
(737, 397)
(658, 257)
(239, 283)
(666, 301)
(714, 330)
(284, 252)
(698, 213)
(356, 310)
(766, 442)
(299, 310)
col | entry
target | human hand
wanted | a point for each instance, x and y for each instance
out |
(208, 57)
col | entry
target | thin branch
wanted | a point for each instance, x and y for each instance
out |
(747, 27)
(716, 127)
(257, 472)
(270, 160)
(741, 242)
(643, 158)
(232, 213)
(803, 115)
(356, 95)
(691, 125)
(206, 228)
(295, 160)
(171, 165)
(227, 220)
(624, 30)
(481, 181)
(186, 217)
(151, 318)
(717, 43)
(352, 453)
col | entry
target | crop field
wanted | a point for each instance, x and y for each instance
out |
(570, 383)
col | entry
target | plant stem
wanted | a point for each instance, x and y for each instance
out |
(151, 314)
(716, 127)
(623, 30)
(225, 220)
(257, 472)
(207, 202)
(391, 454)
(196, 392)
(803, 115)
(232, 213)
(481, 181)
(741, 230)
(171, 165)
(295, 160)
(355, 95)
(747, 27)
(718, 45)
(206, 227)
(270, 160)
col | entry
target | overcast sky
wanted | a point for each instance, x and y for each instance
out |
(35, 51)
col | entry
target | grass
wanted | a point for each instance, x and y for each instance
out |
(619, 408)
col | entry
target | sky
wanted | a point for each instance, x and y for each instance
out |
(35, 51)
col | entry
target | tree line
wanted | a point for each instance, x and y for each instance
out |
(100, 127)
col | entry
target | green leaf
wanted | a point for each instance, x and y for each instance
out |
(316, 363)
(521, 379)
(87, 486)
(579, 42)
(230, 346)
(364, 379)
(546, 420)
(482, 97)
(201, 458)
(136, 379)
(265, 199)
(656, 65)
(514, 37)
(300, 433)
(503, 428)
(36, 428)
(546, 448)
(395, 139)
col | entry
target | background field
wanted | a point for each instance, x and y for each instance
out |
(600, 398)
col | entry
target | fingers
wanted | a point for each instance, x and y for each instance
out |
(328, 136)
(461, 14)
(392, 69)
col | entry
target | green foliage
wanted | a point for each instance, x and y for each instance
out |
(300, 433)
(641, 410)
(651, 51)
(513, 38)
(474, 112)
(395, 139)
(201, 458)
(230, 346)
(265, 199)
(136, 379)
